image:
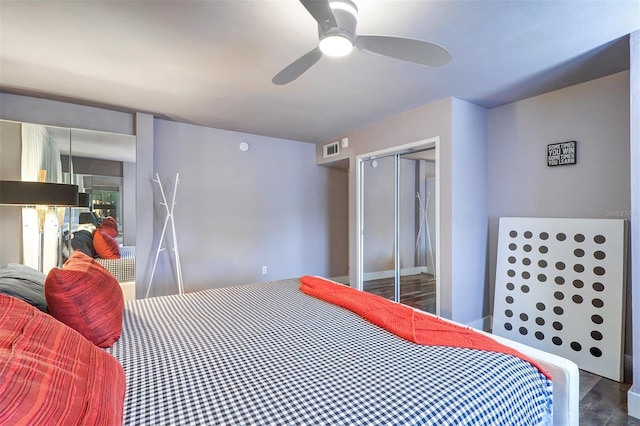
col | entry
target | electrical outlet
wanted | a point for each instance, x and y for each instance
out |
(264, 270)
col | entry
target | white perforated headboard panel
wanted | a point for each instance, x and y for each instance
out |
(560, 288)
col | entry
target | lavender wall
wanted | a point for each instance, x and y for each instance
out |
(270, 206)
(63, 114)
(469, 213)
(462, 132)
(596, 115)
(239, 211)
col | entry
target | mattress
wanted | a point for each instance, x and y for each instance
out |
(267, 354)
(124, 268)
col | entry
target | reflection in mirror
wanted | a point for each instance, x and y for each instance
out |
(103, 166)
(100, 163)
(30, 153)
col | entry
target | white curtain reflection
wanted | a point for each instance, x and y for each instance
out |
(40, 161)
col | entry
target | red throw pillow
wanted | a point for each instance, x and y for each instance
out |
(110, 226)
(52, 375)
(105, 245)
(87, 298)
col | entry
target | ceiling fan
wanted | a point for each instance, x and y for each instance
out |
(337, 21)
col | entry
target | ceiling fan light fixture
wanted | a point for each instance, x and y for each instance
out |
(337, 22)
(336, 45)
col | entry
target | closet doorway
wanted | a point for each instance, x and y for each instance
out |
(397, 209)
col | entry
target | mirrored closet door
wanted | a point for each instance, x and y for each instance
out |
(397, 219)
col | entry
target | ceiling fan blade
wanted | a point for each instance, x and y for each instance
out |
(406, 49)
(297, 67)
(321, 12)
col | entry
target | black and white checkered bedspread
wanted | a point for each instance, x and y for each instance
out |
(124, 268)
(267, 354)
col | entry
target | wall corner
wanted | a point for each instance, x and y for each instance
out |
(633, 396)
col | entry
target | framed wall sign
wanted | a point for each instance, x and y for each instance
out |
(561, 154)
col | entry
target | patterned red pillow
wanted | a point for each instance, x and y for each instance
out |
(105, 245)
(87, 298)
(110, 226)
(52, 375)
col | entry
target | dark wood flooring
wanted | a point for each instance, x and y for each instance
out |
(603, 402)
(418, 291)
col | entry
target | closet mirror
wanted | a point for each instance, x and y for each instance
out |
(102, 164)
(397, 220)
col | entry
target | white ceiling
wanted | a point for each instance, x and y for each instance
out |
(210, 62)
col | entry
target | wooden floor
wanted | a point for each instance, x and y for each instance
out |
(603, 402)
(418, 291)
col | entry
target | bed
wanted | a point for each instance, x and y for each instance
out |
(273, 354)
(123, 268)
(270, 354)
(99, 239)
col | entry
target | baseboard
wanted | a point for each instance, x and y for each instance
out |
(633, 404)
(390, 273)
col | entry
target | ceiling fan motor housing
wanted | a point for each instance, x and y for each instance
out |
(346, 16)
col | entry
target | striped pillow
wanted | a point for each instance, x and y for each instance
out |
(87, 298)
(50, 374)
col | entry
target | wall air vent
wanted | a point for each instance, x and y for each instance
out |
(331, 149)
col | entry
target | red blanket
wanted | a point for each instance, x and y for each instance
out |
(404, 321)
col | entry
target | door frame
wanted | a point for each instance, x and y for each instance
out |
(433, 142)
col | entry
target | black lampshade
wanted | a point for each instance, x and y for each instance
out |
(84, 199)
(38, 193)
